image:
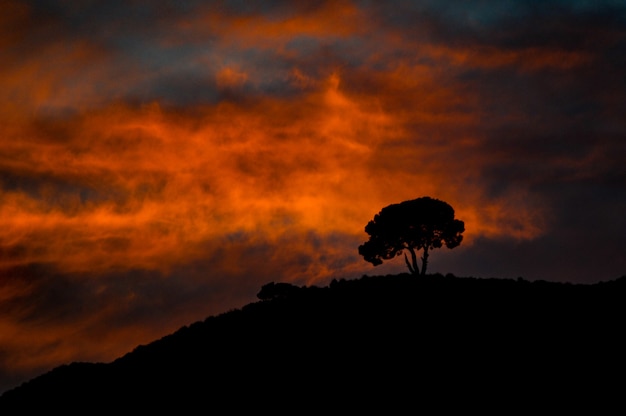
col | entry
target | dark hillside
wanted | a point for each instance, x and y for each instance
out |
(387, 340)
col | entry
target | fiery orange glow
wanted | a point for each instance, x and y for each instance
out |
(175, 180)
(161, 166)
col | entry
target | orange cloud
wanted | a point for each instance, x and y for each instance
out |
(228, 77)
(64, 75)
(526, 59)
(326, 162)
(329, 19)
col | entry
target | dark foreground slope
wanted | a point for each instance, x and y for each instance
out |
(399, 341)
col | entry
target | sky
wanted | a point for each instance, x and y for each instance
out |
(160, 161)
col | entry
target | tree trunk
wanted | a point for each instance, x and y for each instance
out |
(414, 268)
(424, 260)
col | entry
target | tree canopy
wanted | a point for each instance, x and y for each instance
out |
(420, 224)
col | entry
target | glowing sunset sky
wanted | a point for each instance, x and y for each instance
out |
(160, 162)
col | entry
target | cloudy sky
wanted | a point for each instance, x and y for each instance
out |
(160, 161)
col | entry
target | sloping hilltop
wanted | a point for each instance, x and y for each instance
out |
(391, 341)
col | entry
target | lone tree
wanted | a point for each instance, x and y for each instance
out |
(422, 223)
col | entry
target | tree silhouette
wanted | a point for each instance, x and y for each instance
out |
(423, 223)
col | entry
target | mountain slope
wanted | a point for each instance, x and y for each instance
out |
(374, 341)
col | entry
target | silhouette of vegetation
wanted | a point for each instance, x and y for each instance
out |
(273, 290)
(420, 224)
(391, 343)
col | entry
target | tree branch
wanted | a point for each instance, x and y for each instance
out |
(406, 259)
(416, 268)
